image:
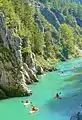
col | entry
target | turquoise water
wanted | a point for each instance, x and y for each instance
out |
(69, 84)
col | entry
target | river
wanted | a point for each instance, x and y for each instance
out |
(70, 86)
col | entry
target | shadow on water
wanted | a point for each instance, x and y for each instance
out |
(77, 76)
(66, 105)
(71, 90)
(77, 116)
(72, 100)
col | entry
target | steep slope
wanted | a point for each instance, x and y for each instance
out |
(64, 12)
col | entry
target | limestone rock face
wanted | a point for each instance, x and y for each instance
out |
(39, 69)
(12, 79)
(29, 64)
(31, 73)
(29, 58)
(59, 15)
(30, 61)
(50, 17)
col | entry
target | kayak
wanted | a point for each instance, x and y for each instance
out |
(58, 97)
(26, 104)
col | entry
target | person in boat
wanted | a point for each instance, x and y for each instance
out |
(27, 102)
(62, 72)
(34, 108)
(58, 96)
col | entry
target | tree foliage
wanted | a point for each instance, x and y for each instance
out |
(53, 43)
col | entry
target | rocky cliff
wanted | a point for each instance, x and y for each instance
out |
(14, 73)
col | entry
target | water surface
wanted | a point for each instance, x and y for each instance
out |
(69, 84)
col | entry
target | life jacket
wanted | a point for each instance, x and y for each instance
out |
(33, 109)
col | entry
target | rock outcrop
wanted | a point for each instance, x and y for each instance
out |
(13, 77)
(29, 57)
(29, 64)
(77, 116)
(32, 75)
(59, 15)
(50, 17)
(39, 70)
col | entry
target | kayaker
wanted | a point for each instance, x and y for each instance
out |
(62, 72)
(57, 96)
(26, 103)
(34, 108)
